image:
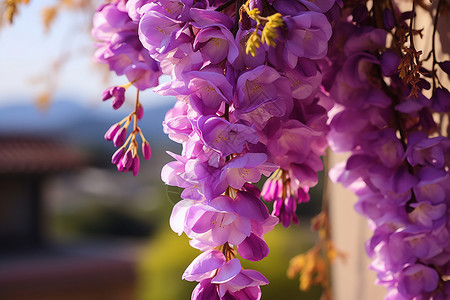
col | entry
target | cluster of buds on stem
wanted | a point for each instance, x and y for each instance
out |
(126, 158)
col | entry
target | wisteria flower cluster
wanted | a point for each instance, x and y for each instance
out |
(247, 82)
(120, 48)
(399, 163)
(262, 88)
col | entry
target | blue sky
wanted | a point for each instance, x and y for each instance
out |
(27, 54)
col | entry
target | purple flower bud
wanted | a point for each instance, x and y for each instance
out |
(423, 84)
(139, 112)
(445, 66)
(120, 136)
(302, 194)
(107, 94)
(110, 134)
(248, 187)
(285, 209)
(146, 150)
(120, 165)
(253, 248)
(118, 93)
(126, 162)
(135, 165)
(272, 189)
(118, 155)
(388, 19)
(119, 97)
(407, 15)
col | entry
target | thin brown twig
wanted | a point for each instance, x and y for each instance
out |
(433, 49)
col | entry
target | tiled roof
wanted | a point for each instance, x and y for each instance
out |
(36, 155)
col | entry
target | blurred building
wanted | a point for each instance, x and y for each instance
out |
(25, 164)
(30, 267)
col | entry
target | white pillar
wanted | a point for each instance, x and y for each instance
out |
(351, 278)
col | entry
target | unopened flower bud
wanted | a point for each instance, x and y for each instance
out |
(139, 111)
(111, 133)
(107, 94)
(302, 194)
(423, 84)
(118, 92)
(253, 248)
(445, 66)
(119, 97)
(118, 155)
(120, 165)
(120, 137)
(135, 166)
(388, 19)
(126, 161)
(146, 150)
(272, 189)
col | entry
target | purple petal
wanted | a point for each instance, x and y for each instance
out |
(203, 223)
(249, 293)
(146, 150)
(416, 279)
(425, 213)
(203, 18)
(127, 161)
(388, 19)
(221, 235)
(118, 155)
(112, 131)
(204, 265)
(259, 278)
(253, 248)
(120, 137)
(248, 205)
(178, 216)
(228, 138)
(119, 97)
(205, 291)
(140, 112)
(227, 272)
(135, 165)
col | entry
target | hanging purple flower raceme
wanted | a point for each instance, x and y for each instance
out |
(399, 172)
(119, 47)
(115, 27)
(238, 119)
(255, 81)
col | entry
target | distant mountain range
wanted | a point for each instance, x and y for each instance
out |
(79, 123)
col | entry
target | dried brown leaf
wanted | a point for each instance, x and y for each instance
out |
(48, 16)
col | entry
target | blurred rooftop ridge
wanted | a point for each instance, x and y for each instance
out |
(22, 154)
